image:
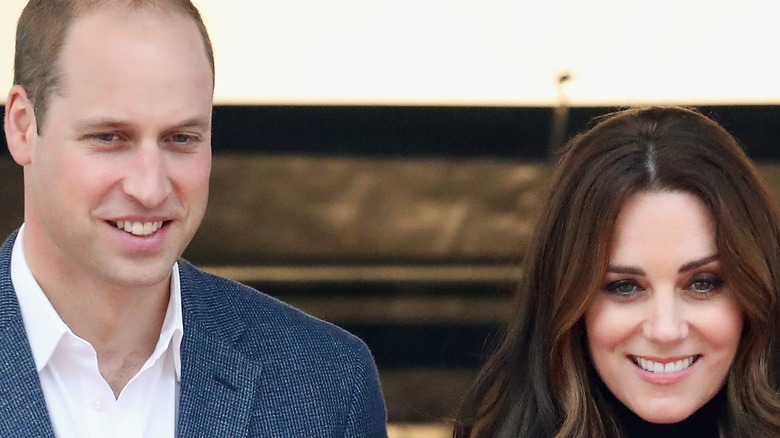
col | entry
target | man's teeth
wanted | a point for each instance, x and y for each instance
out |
(139, 228)
(657, 367)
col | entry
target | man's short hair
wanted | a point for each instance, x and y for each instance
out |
(41, 33)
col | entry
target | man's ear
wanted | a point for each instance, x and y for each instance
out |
(20, 125)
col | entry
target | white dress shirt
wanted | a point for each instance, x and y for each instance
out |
(80, 402)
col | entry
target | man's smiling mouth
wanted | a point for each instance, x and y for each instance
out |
(139, 228)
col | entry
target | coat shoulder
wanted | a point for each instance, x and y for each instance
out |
(266, 319)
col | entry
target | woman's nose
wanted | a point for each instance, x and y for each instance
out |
(665, 321)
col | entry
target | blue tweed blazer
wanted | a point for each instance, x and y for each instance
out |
(251, 367)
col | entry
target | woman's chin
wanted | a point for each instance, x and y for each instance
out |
(663, 416)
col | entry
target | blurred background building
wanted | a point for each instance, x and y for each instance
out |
(380, 163)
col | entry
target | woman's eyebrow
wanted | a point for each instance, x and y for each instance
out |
(625, 270)
(698, 263)
(631, 270)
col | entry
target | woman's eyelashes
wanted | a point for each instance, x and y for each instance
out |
(701, 285)
(704, 284)
(624, 288)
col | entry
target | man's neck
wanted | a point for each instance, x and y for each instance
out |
(122, 324)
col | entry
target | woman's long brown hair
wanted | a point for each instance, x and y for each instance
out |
(540, 381)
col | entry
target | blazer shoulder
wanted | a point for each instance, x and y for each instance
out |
(301, 357)
(267, 318)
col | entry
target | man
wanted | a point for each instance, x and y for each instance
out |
(105, 331)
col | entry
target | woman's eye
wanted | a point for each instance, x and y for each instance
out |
(623, 287)
(706, 284)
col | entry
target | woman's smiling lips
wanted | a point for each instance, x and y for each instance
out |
(664, 371)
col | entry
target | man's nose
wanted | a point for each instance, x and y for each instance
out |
(146, 179)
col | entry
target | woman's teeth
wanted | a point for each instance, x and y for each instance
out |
(140, 228)
(658, 367)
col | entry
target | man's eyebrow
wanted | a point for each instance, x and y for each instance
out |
(195, 122)
(109, 123)
(102, 124)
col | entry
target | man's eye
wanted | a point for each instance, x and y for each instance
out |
(183, 138)
(105, 137)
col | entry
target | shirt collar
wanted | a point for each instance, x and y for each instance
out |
(45, 328)
(173, 326)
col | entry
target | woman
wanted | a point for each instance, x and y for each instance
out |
(650, 295)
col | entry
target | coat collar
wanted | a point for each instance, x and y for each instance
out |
(22, 405)
(218, 383)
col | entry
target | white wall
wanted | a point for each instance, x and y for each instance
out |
(484, 52)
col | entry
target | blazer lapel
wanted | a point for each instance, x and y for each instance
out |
(23, 411)
(218, 384)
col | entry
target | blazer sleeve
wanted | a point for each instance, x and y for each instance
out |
(367, 416)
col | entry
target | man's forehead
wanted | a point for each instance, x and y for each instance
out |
(109, 18)
(110, 35)
(108, 13)
(147, 69)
